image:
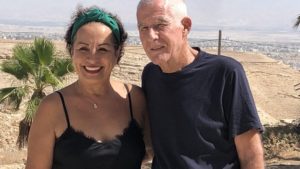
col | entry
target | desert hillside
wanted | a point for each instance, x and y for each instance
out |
(272, 83)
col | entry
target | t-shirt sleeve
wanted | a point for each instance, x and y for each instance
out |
(238, 103)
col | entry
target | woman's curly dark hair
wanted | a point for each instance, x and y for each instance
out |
(80, 11)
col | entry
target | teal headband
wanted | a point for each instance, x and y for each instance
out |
(96, 15)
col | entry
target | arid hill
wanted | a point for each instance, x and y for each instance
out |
(272, 83)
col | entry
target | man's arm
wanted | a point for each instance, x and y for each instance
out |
(250, 150)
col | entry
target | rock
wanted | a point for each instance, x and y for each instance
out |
(287, 121)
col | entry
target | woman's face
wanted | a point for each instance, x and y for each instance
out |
(93, 52)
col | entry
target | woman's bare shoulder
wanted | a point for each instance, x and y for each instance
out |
(50, 108)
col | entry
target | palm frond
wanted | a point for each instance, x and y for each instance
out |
(61, 67)
(14, 95)
(50, 78)
(14, 68)
(44, 49)
(5, 92)
(24, 125)
(25, 57)
(296, 25)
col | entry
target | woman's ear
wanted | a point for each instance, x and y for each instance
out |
(187, 25)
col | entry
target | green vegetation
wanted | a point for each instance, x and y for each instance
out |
(37, 68)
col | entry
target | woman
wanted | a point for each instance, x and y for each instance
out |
(94, 123)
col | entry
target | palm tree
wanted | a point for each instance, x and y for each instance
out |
(37, 68)
(296, 25)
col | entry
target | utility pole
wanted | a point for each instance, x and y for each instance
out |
(219, 44)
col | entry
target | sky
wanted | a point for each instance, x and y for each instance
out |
(216, 14)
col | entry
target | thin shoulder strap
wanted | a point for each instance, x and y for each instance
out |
(65, 109)
(130, 104)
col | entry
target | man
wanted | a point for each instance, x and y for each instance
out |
(202, 114)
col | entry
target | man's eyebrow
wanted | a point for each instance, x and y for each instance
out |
(140, 25)
(163, 20)
(159, 21)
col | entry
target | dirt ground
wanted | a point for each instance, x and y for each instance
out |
(272, 83)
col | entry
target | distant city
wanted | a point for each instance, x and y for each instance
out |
(284, 46)
(30, 35)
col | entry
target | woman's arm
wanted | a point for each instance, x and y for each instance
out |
(42, 136)
(140, 105)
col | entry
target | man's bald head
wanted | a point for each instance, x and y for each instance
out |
(176, 8)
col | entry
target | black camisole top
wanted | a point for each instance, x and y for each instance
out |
(74, 150)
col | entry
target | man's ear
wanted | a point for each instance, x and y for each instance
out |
(187, 25)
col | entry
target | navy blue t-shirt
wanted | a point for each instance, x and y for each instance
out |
(196, 113)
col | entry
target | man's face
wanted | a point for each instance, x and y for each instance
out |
(160, 35)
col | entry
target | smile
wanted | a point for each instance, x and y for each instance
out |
(158, 48)
(92, 69)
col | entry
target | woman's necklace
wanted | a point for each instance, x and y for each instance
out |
(95, 106)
